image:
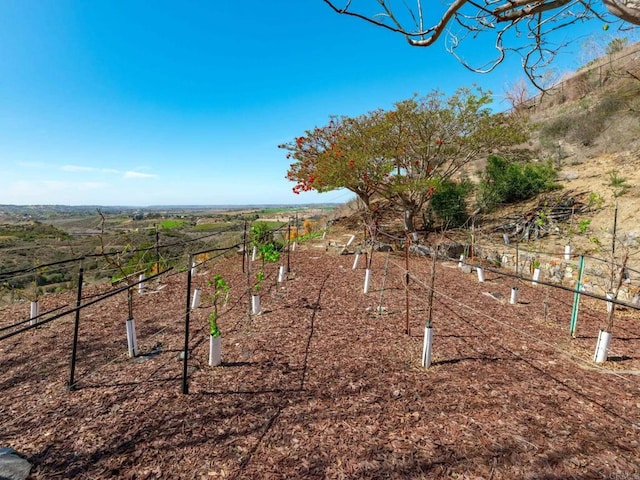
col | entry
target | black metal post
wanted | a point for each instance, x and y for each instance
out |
(407, 328)
(615, 228)
(244, 247)
(289, 246)
(74, 349)
(185, 384)
(155, 225)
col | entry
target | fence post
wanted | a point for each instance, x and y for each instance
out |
(185, 384)
(76, 327)
(407, 328)
(289, 246)
(576, 298)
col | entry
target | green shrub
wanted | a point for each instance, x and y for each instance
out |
(449, 201)
(508, 182)
(261, 234)
(169, 224)
(587, 128)
(558, 128)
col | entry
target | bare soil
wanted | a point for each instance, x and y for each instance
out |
(326, 383)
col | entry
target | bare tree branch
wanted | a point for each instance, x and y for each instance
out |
(528, 23)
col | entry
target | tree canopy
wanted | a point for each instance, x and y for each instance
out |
(403, 153)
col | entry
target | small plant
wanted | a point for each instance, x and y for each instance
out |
(596, 241)
(618, 183)
(268, 253)
(267, 249)
(220, 290)
(542, 218)
(583, 226)
(261, 234)
(595, 201)
(259, 280)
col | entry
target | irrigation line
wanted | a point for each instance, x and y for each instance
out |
(84, 305)
(121, 356)
(589, 312)
(530, 336)
(549, 284)
(554, 254)
(12, 273)
(388, 235)
(84, 377)
(21, 322)
(223, 250)
(443, 295)
(384, 281)
(91, 373)
(534, 338)
(15, 273)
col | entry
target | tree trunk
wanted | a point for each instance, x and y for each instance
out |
(408, 221)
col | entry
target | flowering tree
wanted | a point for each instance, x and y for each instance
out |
(339, 155)
(521, 26)
(401, 154)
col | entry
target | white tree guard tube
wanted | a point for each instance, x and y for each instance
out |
(536, 276)
(255, 304)
(293, 246)
(414, 236)
(602, 347)
(367, 280)
(350, 241)
(141, 278)
(426, 346)
(281, 274)
(215, 350)
(505, 237)
(254, 253)
(132, 341)
(480, 275)
(567, 252)
(324, 235)
(461, 260)
(514, 296)
(355, 261)
(193, 268)
(34, 312)
(195, 300)
(609, 304)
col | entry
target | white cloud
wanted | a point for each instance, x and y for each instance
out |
(131, 174)
(76, 168)
(91, 185)
(33, 164)
(82, 168)
(58, 185)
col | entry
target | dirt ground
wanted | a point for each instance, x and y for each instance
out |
(326, 383)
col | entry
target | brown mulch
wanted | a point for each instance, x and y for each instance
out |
(325, 383)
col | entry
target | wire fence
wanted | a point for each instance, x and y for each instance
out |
(422, 294)
(130, 284)
(400, 287)
(593, 77)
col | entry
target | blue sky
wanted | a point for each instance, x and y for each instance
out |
(107, 102)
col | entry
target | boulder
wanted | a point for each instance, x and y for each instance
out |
(12, 465)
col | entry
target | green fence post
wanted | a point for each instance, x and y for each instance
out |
(576, 297)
